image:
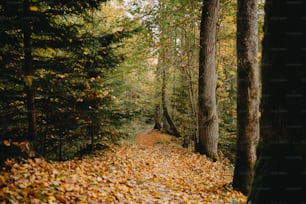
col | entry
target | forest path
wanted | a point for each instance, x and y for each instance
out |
(154, 169)
(152, 137)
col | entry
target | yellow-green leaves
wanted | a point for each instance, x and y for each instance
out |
(33, 8)
(28, 80)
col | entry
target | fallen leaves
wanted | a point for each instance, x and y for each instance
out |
(134, 173)
(153, 137)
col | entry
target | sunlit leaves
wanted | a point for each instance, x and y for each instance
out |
(159, 173)
(33, 8)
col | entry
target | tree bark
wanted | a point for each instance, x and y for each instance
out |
(157, 124)
(195, 136)
(248, 95)
(173, 129)
(28, 74)
(207, 118)
(281, 164)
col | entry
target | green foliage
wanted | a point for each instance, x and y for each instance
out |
(72, 51)
(227, 68)
(174, 33)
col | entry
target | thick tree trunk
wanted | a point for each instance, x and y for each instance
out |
(248, 94)
(281, 165)
(207, 118)
(28, 74)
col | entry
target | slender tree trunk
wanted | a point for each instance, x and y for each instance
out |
(157, 124)
(162, 66)
(28, 72)
(208, 119)
(248, 94)
(191, 64)
(281, 164)
(193, 109)
(173, 129)
(192, 90)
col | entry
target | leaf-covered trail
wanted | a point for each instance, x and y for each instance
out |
(153, 170)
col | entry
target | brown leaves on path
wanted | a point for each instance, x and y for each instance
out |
(131, 173)
(152, 137)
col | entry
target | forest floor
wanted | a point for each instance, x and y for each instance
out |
(151, 169)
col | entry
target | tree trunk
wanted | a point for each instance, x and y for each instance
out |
(193, 109)
(208, 119)
(173, 129)
(248, 94)
(157, 124)
(28, 74)
(281, 165)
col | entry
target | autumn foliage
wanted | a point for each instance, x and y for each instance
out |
(156, 170)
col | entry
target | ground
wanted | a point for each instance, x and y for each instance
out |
(151, 169)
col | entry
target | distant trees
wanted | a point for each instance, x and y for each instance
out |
(172, 32)
(173, 26)
(248, 94)
(167, 119)
(281, 164)
(208, 124)
(163, 69)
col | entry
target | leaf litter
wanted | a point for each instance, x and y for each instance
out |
(155, 169)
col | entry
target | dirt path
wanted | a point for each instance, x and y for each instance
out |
(153, 170)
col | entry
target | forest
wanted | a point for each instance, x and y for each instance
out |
(153, 101)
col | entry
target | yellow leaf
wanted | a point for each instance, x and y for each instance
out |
(7, 143)
(69, 187)
(33, 8)
(28, 80)
(61, 197)
(51, 198)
